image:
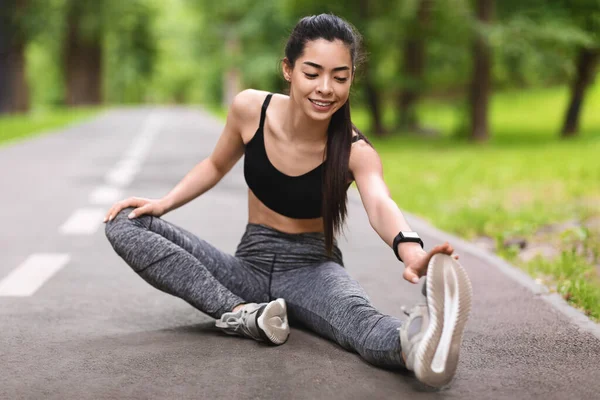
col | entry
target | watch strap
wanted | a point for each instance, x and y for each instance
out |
(400, 238)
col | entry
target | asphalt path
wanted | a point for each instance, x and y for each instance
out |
(95, 330)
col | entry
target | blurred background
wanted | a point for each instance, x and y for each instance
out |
(486, 113)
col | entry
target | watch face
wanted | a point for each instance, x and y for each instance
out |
(410, 235)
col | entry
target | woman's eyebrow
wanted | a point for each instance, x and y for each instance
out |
(312, 64)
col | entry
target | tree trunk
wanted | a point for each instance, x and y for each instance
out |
(586, 65)
(374, 107)
(83, 64)
(14, 92)
(373, 96)
(482, 67)
(414, 58)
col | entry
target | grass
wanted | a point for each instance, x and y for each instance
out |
(21, 126)
(524, 179)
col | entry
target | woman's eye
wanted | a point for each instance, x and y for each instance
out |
(313, 76)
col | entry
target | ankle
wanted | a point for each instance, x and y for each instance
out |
(236, 308)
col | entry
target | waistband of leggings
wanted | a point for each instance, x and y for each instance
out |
(308, 245)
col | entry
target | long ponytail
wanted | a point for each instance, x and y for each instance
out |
(335, 174)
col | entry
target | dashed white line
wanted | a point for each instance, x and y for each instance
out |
(38, 268)
(84, 221)
(27, 278)
(122, 174)
(104, 195)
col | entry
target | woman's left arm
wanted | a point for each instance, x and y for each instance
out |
(384, 215)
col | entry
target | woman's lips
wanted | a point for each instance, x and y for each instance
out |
(321, 105)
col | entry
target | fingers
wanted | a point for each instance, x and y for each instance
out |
(410, 275)
(117, 207)
(114, 210)
(138, 212)
(445, 248)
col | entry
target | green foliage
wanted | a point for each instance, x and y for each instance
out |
(536, 44)
(125, 30)
(131, 48)
(177, 51)
(573, 277)
(45, 24)
(179, 75)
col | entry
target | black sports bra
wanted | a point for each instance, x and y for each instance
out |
(292, 196)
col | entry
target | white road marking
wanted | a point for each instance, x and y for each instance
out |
(124, 172)
(84, 221)
(38, 268)
(87, 220)
(104, 195)
(141, 144)
(32, 273)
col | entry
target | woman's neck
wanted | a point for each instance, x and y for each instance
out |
(300, 127)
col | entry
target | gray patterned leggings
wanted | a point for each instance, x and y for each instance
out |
(268, 264)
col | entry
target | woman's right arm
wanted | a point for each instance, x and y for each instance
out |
(207, 173)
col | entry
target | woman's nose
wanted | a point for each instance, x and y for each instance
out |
(325, 87)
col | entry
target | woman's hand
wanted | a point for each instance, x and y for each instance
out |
(417, 267)
(143, 207)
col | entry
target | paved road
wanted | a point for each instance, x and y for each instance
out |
(94, 330)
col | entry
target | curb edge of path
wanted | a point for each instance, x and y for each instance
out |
(519, 276)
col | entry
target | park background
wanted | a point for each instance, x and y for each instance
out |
(486, 113)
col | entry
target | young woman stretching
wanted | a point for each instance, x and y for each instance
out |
(301, 154)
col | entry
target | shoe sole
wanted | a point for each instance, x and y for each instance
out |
(273, 322)
(449, 295)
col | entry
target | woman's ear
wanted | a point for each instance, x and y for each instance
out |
(287, 69)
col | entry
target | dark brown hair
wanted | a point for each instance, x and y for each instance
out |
(339, 133)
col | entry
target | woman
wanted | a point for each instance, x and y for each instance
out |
(301, 154)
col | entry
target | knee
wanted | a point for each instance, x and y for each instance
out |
(118, 224)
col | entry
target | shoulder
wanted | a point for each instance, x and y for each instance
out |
(247, 104)
(363, 157)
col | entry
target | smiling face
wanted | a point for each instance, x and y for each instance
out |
(320, 78)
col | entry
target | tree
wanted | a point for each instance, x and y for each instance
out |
(83, 52)
(413, 66)
(372, 93)
(482, 71)
(586, 14)
(14, 92)
(586, 64)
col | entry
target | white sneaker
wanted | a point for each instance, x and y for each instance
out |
(265, 322)
(432, 335)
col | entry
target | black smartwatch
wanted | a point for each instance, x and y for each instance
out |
(403, 237)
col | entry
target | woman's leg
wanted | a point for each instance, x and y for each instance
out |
(328, 301)
(177, 262)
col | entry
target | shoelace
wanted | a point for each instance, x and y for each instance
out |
(239, 324)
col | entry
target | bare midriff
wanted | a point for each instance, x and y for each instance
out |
(258, 213)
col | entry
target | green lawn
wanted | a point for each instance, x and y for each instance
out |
(21, 126)
(523, 179)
